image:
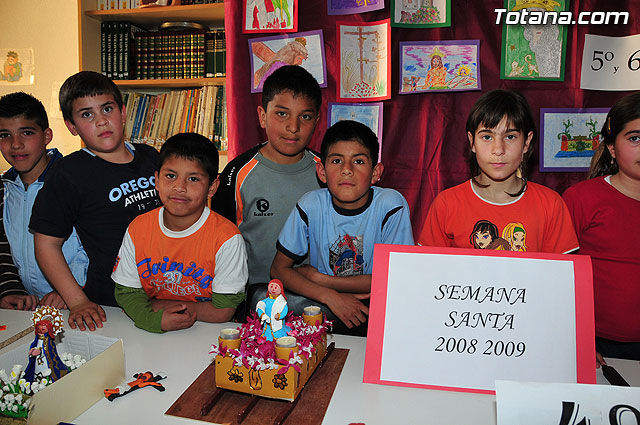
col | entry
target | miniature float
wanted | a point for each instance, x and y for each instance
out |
(272, 355)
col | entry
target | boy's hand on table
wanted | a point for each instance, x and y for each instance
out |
(88, 312)
(348, 308)
(600, 360)
(54, 300)
(177, 317)
(19, 302)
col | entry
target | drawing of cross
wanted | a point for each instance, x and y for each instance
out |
(361, 40)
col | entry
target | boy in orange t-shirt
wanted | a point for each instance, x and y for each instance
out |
(182, 262)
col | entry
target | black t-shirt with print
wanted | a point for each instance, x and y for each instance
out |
(100, 199)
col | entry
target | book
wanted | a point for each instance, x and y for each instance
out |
(171, 55)
(220, 52)
(209, 63)
(137, 55)
(130, 67)
(132, 107)
(141, 110)
(164, 53)
(119, 51)
(179, 54)
(109, 50)
(200, 53)
(217, 121)
(103, 47)
(151, 55)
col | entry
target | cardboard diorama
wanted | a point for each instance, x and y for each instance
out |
(273, 354)
(58, 376)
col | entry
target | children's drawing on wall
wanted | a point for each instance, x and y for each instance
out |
(270, 16)
(570, 137)
(534, 51)
(439, 65)
(365, 65)
(369, 114)
(270, 53)
(346, 7)
(421, 13)
(17, 68)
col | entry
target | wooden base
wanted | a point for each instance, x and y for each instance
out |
(312, 402)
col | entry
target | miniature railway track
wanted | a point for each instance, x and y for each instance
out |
(253, 400)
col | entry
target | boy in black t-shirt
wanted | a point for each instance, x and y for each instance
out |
(98, 190)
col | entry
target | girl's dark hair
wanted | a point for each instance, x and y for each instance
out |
(625, 110)
(483, 226)
(192, 146)
(488, 111)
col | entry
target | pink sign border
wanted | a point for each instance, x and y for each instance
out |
(585, 328)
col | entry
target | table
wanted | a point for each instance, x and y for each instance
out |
(183, 355)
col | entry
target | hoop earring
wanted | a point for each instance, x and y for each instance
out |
(609, 125)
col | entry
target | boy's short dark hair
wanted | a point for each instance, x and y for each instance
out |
(348, 130)
(192, 146)
(83, 84)
(23, 104)
(294, 79)
(490, 109)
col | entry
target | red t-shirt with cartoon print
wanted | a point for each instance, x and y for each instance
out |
(537, 221)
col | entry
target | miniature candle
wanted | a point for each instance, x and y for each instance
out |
(312, 315)
(286, 342)
(229, 338)
(284, 346)
(230, 334)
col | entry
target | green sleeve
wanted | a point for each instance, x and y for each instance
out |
(136, 304)
(227, 300)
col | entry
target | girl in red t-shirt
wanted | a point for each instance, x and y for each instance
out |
(606, 214)
(498, 208)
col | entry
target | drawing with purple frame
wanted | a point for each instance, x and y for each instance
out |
(369, 114)
(439, 65)
(270, 53)
(569, 137)
(346, 7)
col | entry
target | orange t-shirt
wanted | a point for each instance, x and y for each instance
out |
(190, 265)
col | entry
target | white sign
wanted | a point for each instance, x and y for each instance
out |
(528, 403)
(610, 63)
(459, 321)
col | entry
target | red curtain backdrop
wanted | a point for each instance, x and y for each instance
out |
(424, 142)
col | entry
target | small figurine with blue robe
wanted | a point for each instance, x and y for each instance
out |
(43, 354)
(272, 312)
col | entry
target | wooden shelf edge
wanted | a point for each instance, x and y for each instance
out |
(213, 11)
(171, 83)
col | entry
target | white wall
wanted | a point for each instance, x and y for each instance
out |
(50, 27)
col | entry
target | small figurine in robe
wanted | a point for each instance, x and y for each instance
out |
(272, 312)
(43, 354)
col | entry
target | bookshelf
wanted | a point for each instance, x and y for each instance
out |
(89, 30)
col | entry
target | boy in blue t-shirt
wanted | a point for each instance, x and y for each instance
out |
(337, 227)
(24, 136)
(98, 190)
